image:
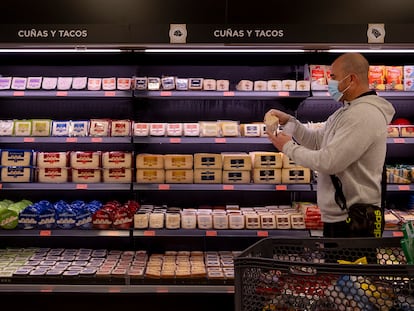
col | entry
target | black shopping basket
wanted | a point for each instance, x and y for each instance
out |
(304, 274)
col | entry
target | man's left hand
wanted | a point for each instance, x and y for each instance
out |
(278, 140)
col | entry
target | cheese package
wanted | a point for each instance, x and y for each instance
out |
(64, 83)
(141, 129)
(18, 83)
(271, 122)
(145, 175)
(150, 161)
(53, 174)
(394, 78)
(274, 85)
(376, 77)
(260, 85)
(60, 128)
(236, 177)
(266, 159)
(288, 85)
(236, 161)
(208, 161)
(302, 85)
(123, 84)
(288, 163)
(245, 85)
(283, 221)
(86, 175)
(17, 174)
(267, 175)
(51, 159)
(408, 84)
(49, 83)
(16, 157)
(208, 176)
(100, 127)
(116, 159)
(393, 131)
(141, 83)
(209, 84)
(181, 84)
(109, 84)
(297, 175)
(250, 130)
(94, 84)
(41, 127)
(267, 221)
(195, 84)
(117, 175)
(222, 85)
(158, 129)
(79, 83)
(209, 129)
(191, 129)
(79, 128)
(6, 127)
(408, 71)
(178, 161)
(34, 83)
(174, 129)
(318, 77)
(407, 130)
(153, 83)
(5, 83)
(168, 83)
(22, 127)
(85, 159)
(120, 128)
(179, 176)
(229, 128)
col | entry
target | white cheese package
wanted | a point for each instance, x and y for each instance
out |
(245, 85)
(303, 85)
(86, 175)
(168, 83)
(16, 157)
(34, 83)
(288, 85)
(229, 128)
(41, 127)
(100, 127)
(85, 159)
(79, 83)
(53, 174)
(274, 85)
(64, 83)
(22, 127)
(209, 129)
(141, 129)
(408, 71)
(5, 83)
(158, 129)
(49, 83)
(94, 84)
(6, 127)
(250, 130)
(79, 128)
(209, 85)
(191, 129)
(408, 84)
(52, 159)
(109, 84)
(117, 175)
(116, 159)
(120, 128)
(222, 85)
(141, 83)
(154, 83)
(17, 174)
(195, 84)
(19, 83)
(60, 128)
(181, 84)
(123, 84)
(174, 129)
(260, 85)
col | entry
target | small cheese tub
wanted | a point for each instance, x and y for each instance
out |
(17, 173)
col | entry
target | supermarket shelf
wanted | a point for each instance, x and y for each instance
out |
(64, 233)
(400, 187)
(221, 95)
(65, 186)
(63, 94)
(65, 140)
(385, 94)
(200, 140)
(220, 187)
(116, 289)
(400, 140)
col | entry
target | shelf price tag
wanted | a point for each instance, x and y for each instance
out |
(149, 233)
(161, 290)
(18, 93)
(399, 141)
(1, 186)
(109, 94)
(45, 233)
(61, 93)
(228, 93)
(175, 140)
(220, 140)
(397, 234)
(163, 187)
(29, 139)
(281, 187)
(96, 139)
(81, 186)
(283, 93)
(211, 233)
(262, 233)
(403, 187)
(71, 139)
(228, 187)
(166, 93)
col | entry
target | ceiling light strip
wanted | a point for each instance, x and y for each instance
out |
(224, 50)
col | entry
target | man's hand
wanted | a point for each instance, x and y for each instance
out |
(278, 141)
(282, 116)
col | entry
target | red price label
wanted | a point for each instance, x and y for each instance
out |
(281, 187)
(228, 93)
(228, 187)
(404, 187)
(1, 186)
(397, 233)
(149, 233)
(262, 233)
(211, 233)
(96, 139)
(220, 140)
(399, 141)
(61, 93)
(71, 140)
(163, 187)
(18, 93)
(28, 139)
(109, 93)
(81, 186)
(175, 140)
(165, 93)
(45, 233)
(283, 94)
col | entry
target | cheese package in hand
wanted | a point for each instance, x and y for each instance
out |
(271, 122)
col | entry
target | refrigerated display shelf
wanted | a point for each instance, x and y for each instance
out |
(63, 93)
(220, 187)
(65, 186)
(65, 140)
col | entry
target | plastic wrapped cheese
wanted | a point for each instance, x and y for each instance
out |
(148, 160)
(64, 83)
(123, 84)
(34, 83)
(94, 84)
(79, 83)
(52, 159)
(86, 175)
(109, 84)
(116, 159)
(100, 127)
(85, 159)
(18, 83)
(6, 127)
(16, 157)
(5, 83)
(79, 128)
(121, 127)
(60, 128)
(117, 175)
(53, 174)
(41, 127)
(141, 129)
(22, 127)
(49, 83)
(16, 173)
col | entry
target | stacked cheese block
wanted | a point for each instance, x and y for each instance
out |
(117, 167)
(52, 167)
(273, 85)
(17, 165)
(267, 167)
(236, 168)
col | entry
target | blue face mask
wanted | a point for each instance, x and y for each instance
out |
(333, 90)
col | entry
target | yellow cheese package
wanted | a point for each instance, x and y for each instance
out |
(236, 177)
(149, 160)
(208, 160)
(175, 176)
(178, 161)
(150, 175)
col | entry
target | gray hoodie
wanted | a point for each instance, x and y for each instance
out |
(352, 145)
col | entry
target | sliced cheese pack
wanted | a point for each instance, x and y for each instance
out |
(22, 127)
